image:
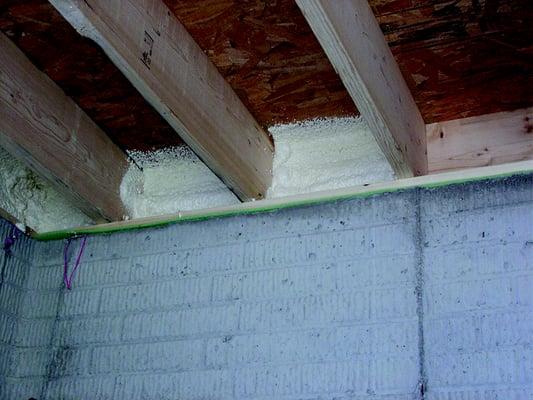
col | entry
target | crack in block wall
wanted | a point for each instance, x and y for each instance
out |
(321, 302)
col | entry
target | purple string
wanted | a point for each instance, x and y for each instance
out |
(10, 239)
(66, 278)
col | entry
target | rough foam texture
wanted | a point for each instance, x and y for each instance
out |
(325, 154)
(311, 156)
(361, 299)
(171, 180)
(32, 201)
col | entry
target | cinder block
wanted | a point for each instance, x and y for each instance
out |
(21, 388)
(33, 332)
(181, 323)
(156, 296)
(30, 362)
(97, 388)
(210, 384)
(103, 273)
(80, 302)
(85, 330)
(308, 303)
(477, 296)
(149, 357)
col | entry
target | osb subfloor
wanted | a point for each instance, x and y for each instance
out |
(460, 58)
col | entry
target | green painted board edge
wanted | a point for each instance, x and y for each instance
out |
(206, 214)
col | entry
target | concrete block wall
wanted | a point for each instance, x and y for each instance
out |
(24, 327)
(399, 296)
(478, 291)
(296, 304)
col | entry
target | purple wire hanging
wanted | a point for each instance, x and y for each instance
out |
(66, 277)
(10, 239)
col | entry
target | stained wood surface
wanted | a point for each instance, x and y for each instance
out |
(269, 55)
(479, 141)
(47, 131)
(460, 58)
(84, 72)
(160, 58)
(354, 43)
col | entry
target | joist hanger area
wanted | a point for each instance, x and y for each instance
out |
(56, 138)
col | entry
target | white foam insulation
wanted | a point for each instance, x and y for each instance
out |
(33, 201)
(323, 154)
(172, 180)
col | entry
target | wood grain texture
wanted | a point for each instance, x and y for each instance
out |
(353, 41)
(84, 72)
(47, 131)
(155, 52)
(462, 58)
(479, 141)
(269, 55)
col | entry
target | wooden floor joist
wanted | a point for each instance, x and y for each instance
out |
(355, 45)
(160, 58)
(489, 139)
(46, 130)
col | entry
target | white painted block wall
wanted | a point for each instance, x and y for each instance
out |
(23, 331)
(363, 299)
(478, 291)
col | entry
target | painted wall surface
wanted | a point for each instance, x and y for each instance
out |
(25, 321)
(418, 294)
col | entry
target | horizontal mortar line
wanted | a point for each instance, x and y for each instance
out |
(264, 267)
(476, 245)
(44, 347)
(480, 277)
(237, 367)
(24, 318)
(461, 244)
(473, 312)
(483, 386)
(137, 342)
(336, 395)
(166, 311)
(237, 332)
(156, 341)
(209, 279)
(13, 378)
(520, 347)
(158, 371)
(194, 306)
(490, 313)
(24, 378)
(223, 273)
(364, 252)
